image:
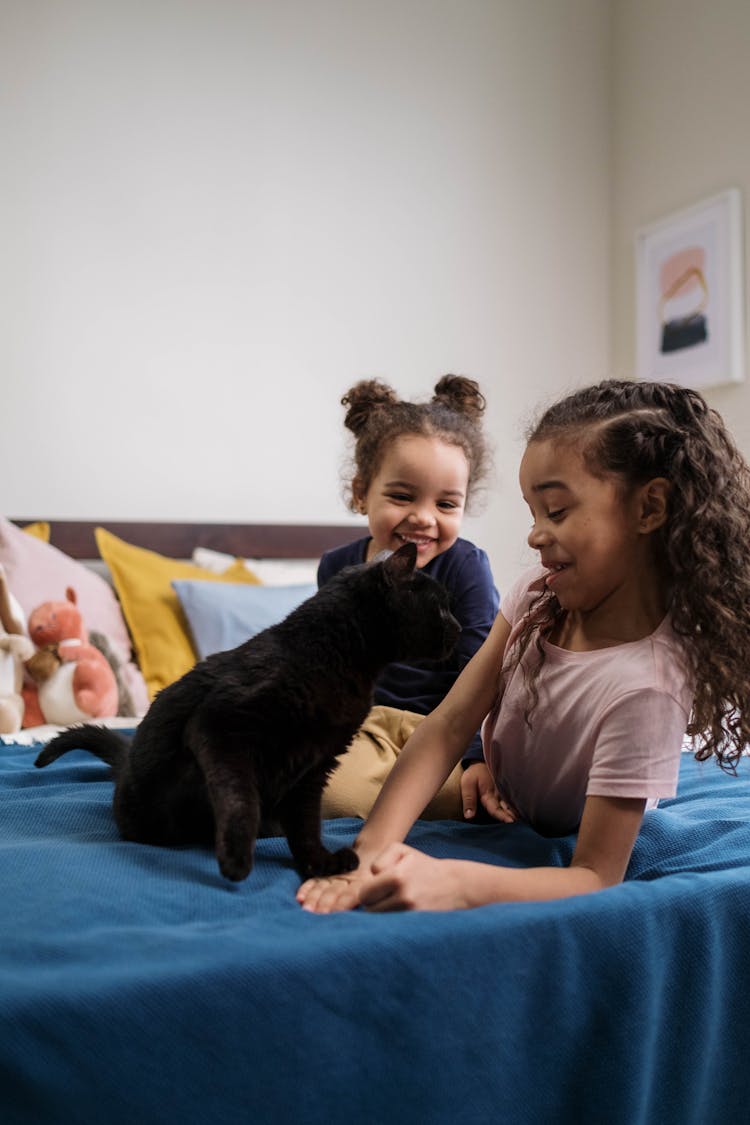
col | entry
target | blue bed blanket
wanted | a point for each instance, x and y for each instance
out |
(137, 986)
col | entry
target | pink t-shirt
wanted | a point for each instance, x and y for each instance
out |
(607, 723)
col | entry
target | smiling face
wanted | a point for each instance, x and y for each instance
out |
(417, 496)
(592, 534)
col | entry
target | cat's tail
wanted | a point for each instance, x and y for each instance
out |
(104, 743)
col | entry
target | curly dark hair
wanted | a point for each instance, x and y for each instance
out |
(376, 416)
(636, 431)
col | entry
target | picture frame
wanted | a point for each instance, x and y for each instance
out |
(689, 299)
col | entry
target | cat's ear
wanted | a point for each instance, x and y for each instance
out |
(400, 565)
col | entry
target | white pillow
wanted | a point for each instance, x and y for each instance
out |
(271, 572)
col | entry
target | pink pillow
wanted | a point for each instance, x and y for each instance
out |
(38, 572)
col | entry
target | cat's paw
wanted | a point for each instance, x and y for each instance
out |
(234, 851)
(235, 868)
(330, 863)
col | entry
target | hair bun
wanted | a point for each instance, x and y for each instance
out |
(364, 397)
(460, 394)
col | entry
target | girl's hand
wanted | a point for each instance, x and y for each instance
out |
(400, 878)
(478, 788)
(337, 892)
(406, 879)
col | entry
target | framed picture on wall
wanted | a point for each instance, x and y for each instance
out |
(690, 303)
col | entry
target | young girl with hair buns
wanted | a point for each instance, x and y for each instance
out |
(633, 629)
(416, 468)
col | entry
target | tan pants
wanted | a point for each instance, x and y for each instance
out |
(352, 789)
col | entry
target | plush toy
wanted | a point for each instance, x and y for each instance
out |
(15, 649)
(72, 679)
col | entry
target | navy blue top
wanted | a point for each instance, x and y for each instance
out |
(465, 572)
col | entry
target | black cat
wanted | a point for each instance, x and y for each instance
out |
(255, 732)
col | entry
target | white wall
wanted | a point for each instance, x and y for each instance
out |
(681, 131)
(217, 215)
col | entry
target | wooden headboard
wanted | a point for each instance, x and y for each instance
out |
(178, 540)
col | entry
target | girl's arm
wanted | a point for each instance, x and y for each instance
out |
(402, 878)
(421, 768)
(406, 879)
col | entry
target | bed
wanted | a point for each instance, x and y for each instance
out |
(136, 985)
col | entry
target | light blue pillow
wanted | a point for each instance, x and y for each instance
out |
(222, 615)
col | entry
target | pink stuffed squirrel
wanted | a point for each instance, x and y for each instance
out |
(73, 679)
(15, 649)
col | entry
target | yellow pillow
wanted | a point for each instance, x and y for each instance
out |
(40, 530)
(152, 610)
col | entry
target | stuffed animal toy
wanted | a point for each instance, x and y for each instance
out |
(72, 679)
(15, 649)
